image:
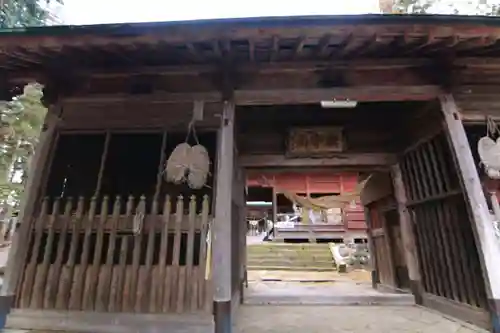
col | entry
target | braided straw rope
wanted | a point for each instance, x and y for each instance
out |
(191, 161)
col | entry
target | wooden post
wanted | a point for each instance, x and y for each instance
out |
(243, 235)
(482, 224)
(221, 230)
(371, 246)
(15, 262)
(407, 234)
(275, 211)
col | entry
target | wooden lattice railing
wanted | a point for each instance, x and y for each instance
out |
(87, 259)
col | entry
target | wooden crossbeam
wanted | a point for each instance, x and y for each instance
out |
(341, 159)
(278, 96)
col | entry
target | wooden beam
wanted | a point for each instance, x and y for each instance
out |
(221, 229)
(281, 67)
(341, 159)
(276, 96)
(478, 62)
(407, 234)
(477, 118)
(360, 94)
(325, 169)
(482, 223)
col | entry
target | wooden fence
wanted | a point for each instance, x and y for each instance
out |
(86, 259)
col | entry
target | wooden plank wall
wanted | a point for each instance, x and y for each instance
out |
(82, 256)
(449, 261)
(477, 94)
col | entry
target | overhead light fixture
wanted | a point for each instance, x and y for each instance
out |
(338, 104)
(259, 203)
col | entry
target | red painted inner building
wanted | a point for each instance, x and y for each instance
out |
(314, 184)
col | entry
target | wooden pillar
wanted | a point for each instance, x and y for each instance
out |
(18, 251)
(371, 246)
(407, 234)
(221, 230)
(243, 236)
(275, 211)
(482, 224)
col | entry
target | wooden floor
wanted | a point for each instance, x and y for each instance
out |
(92, 322)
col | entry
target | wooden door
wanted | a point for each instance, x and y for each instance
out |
(397, 249)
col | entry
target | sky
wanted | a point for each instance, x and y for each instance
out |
(118, 11)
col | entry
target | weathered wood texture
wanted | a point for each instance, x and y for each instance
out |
(383, 252)
(223, 270)
(137, 115)
(108, 322)
(368, 128)
(476, 90)
(79, 260)
(448, 254)
(222, 245)
(40, 165)
(475, 102)
(238, 221)
(407, 234)
(482, 225)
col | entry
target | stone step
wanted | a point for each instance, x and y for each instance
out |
(307, 256)
(307, 259)
(290, 261)
(302, 254)
(289, 251)
(265, 251)
(274, 245)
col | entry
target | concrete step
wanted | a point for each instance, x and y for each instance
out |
(289, 268)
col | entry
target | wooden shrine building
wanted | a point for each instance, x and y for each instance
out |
(106, 245)
(340, 224)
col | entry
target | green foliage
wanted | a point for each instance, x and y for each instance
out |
(22, 119)
(25, 13)
(472, 7)
(413, 6)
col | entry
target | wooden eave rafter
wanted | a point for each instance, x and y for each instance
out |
(273, 41)
(277, 46)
